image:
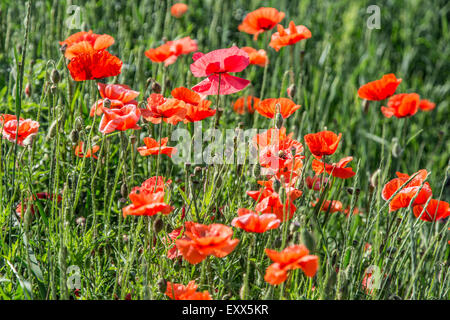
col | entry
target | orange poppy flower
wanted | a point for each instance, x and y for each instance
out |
(402, 105)
(426, 105)
(84, 42)
(148, 199)
(173, 252)
(89, 153)
(291, 258)
(202, 240)
(435, 210)
(290, 36)
(40, 195)
(27, 129)
(154, 147)
(268, 109)
(197, 108)
(356, 211)
(120, 119)
(118, 94)
(251, 221)
(169, 51)
(240, 107)
(257, 57)
(332, 205)
(404, 197)
(161, 109)
(379, 89)
(338, 170)
(94, 65)
(178, 10)
(323, 143)
(181, 292)
(260, 20)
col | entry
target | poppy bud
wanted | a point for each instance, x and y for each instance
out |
(374, 178)
(162, 285)
(28, 90)
(79, 123)
(28, 217)
(291, 91)
(55, 77)
(276, 185)
(158, 225)
(52, 130)
(124, 190)
(156, 87)
(279, 120)
(106, 103)
(74, 136)
(256, 170)
(396, 149)
(366, 106)
(308, 239)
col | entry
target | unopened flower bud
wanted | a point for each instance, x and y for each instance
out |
(158, 225)
(156, 87)
(55, 77)
(79, 123)
(74, 136)
(279, 120)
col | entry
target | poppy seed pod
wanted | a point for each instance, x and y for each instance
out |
(55, 77)
(279, 120)
(158, 225)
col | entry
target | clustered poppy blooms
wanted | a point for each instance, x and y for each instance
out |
(118, 95)
(252, 221)
(177, 291)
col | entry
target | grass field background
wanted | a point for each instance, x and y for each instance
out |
(123, 258)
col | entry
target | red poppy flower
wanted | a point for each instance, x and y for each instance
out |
(275, 153)
(169, 51)
(216, 66)
(260, 20)
(404, 197)
(402, 105)
(120, 119)
(240, 107)
(332, 205)
(202, 240)
(316, 182)
(379, 89)
(181, 292)
(40, 195)
(178, 10)
(291, 258)
(269, 202)
(426, 105)
(435, 210)
(338, 170)
(251, 221)
(323, 143)
(153, 147)
(257, 57)
(197, 108)
(290, 36)
(118, 94)
(268, 107)
(83, 42)
(148, 199)
(27, 129)
(356, 211)
(94, 65)
(162, 109)
(89, 153)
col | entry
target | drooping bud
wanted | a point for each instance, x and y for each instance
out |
(397, 150)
